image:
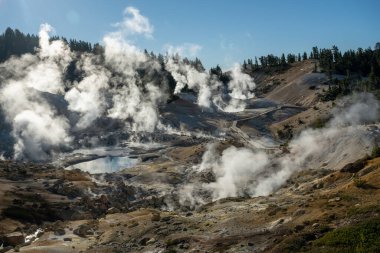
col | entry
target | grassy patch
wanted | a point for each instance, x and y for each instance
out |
(319, 123)
(286, 133)
(298, 242)
(348, 198)
(363, 210)
(364, 237)
(359, 182)
(363, 184)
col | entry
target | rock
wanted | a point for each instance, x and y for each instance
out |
(5, 249)
(113, 210)
(63, 188)
(67, 239)
(299, 212)
(355, 166)
(155, 217)
(148, 157)
(151, 241)
(59, 232)
(144, 241)
(298, 227)
(102, 202)
(184, 245)
(207, 177)
(134, 224)
(14, 239)
(315, 225)
(167, 218)
(84, 230)
(336, 199)
(366, 171)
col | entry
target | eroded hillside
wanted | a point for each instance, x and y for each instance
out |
(289, 173)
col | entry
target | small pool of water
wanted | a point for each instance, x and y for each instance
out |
(106, 164)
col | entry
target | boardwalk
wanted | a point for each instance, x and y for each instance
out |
(236, 131)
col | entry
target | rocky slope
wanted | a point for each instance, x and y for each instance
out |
(45, 208)
(71, 212)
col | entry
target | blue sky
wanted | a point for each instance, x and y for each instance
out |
(226, 31)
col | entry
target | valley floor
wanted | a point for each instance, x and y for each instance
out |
(333, 205)
(299, 217)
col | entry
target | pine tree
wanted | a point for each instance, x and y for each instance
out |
(372, 78)
(304, 57)
(283, 60)
(315, 53)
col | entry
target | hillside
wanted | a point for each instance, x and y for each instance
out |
(110, 148)
(303, 215)
(140, 209)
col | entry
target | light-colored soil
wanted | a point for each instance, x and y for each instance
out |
(297, 85)
(137, 210)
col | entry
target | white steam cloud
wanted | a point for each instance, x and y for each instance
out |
(135, 23)
(242, 171)
(37, 128)
(209, 88)
(241, 85)
(235, 170)
(86, 96)
(185, 50)
(122, 83)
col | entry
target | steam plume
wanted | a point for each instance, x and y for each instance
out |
(37, 128)
(241, 171)
(123, 83)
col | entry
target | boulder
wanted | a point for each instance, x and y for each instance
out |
(13, 239)
(113, 210)
(59, 232)
(355, 166)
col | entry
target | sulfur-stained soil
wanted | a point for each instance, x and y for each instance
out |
(73, 219)
(137, 209)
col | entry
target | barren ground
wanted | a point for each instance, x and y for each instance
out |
(128, 211)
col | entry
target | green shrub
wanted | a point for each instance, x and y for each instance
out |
(375, 151)
(364, 237)
(360, 183)
(319, 123)
(364, 210)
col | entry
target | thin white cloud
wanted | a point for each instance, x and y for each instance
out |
(135, 23)
(230, 51)
(185, 50)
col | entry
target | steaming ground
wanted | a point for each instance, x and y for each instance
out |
(199, 184)
(211, 169)
(201, 193)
